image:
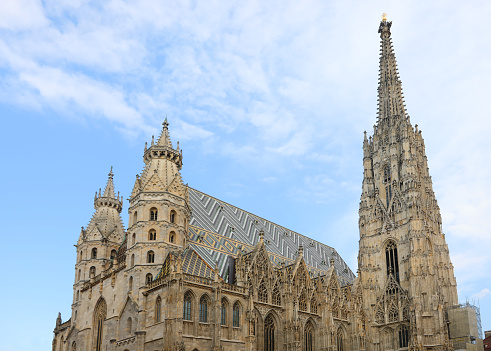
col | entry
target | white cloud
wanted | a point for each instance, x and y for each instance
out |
(18, 15)
(481, 294)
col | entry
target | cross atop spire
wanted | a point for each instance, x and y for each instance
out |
(390, 97)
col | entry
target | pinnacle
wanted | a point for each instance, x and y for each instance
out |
(164, 139)
(109, 191)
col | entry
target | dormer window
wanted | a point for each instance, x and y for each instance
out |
(153, 214)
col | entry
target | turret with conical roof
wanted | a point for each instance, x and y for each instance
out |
(159, 209)
(403, 259)
(98, 243)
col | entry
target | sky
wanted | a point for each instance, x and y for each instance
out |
(269, 100)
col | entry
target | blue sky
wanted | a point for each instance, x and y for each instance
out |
(269, 100)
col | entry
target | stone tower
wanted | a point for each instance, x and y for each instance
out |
(404, 265)
(159, 210)
(98, 243)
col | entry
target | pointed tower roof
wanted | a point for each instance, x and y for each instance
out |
(164, 138)
(390, 97)
(162, 166)
(106, 221)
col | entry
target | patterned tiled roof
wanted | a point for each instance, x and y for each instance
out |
(218, 230)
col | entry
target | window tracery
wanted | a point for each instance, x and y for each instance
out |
(276, 296)
(203, 309)
(313, 305)
(269, 337)
(262, 293)
(302, 301)
(339, 340)
(392, 260)
(403, 336)
(236, 315)
(100, 313)
(308, 337)
(188, 298)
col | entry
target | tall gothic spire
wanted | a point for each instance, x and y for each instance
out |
(390, 97)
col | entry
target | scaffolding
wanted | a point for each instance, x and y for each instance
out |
(478, 316)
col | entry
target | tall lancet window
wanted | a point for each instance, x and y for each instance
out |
(388, 188)
(269, 328)
(392, 259)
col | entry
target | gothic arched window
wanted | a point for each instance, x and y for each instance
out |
(308, 344)
(262, 293)
(158, 309)
(236, 315)
(269, 329)
(203, 309)
(150, 257)
(74, 346)
(149, 278)
(100, 313)
(276, 296)
(172, 237)
(94, 253)
(135, 217)
(173, 216)
(129, 324)
(224, 306)
(340, 341)
(152, 234)
(130, 284)
(302, 302)
(403, 336)
(188, 299)
(133, 238)
(153, 214)
(132, 262)
(313, 305)
(392, 260)
(92, 272)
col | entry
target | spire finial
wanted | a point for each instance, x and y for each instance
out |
(261, 235)
(111, 173)
(384, 17)
(165, 124)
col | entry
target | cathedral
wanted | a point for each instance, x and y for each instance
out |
(194, 273)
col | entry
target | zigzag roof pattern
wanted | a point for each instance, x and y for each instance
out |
(218, 230)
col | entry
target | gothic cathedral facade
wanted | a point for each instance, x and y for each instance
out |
(192, 272)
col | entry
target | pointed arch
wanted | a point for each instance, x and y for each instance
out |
(187, 305)
(236, 314)
(269, 333)
(223, 311)
(100, 313)
(388, 339)
(308, 336)
(392, 259)
(340, 340)
(403, 336)
(204, 302)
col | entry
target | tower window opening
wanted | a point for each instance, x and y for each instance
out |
(132, 262)
(150, 257)
(392, 260)
(152, 235)
(130, 284)
(133, 238)
(94, 253)
(172, 216)
(113, 254)
(172, 236)
(149, 278)
(92, 272)
(153, 214)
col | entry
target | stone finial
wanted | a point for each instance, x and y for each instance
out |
(261, 236)
(331, 262)
(300, 250)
